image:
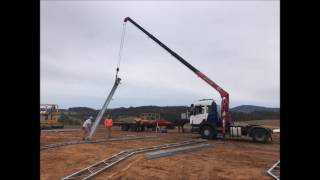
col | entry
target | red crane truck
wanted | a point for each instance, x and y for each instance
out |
(213, 121)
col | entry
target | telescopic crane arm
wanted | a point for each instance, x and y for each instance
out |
(224, 95)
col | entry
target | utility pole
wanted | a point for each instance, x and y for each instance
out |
(103, 109)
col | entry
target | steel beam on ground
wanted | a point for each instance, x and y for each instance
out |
(98, 167)
(169, 152)
(274, 171)
(47, 146)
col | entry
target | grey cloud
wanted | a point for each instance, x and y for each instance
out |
(235, 44)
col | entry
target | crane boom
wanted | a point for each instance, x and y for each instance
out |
(224, 95)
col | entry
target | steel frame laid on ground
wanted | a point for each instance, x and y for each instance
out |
(48, 146)
(98, 167)
(60, 130)
(173, 151)
(274, 171)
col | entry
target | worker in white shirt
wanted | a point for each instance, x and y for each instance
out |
(86, 127)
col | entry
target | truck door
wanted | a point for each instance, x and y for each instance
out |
(213, 113)
(198, 115)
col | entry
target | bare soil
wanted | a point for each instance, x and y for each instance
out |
(234, 159)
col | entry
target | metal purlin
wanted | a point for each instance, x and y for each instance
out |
(98, 167)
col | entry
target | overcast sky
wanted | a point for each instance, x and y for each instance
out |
(235, 43)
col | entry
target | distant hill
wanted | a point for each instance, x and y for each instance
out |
(170, 113)
(251, 108)
(82, 110)
(76, 115)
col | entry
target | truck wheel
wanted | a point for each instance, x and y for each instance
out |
(207, 132)
(260, 135)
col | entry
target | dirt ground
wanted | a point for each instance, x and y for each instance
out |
(234, 159)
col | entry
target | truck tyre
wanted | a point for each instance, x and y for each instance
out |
(207, 132)
(260, 135)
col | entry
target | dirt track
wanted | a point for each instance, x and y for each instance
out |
(235, 159)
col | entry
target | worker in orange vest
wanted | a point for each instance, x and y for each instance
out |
(108, 124)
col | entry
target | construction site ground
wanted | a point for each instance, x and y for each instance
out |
(231, 159)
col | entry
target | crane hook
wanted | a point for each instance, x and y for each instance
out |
(117, 72)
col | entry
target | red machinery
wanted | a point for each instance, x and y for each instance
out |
(257, 132)
(224, 95)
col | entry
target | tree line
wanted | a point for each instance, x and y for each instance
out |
(76, 115)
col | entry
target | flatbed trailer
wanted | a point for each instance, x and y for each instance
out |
(135, 126)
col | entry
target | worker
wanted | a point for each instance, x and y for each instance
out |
(138, 121)
(86, 127)
(108, 124)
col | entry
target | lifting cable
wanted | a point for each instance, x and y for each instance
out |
(121, 47)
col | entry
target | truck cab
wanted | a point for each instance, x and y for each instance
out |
(199, 111)
(205, 118)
